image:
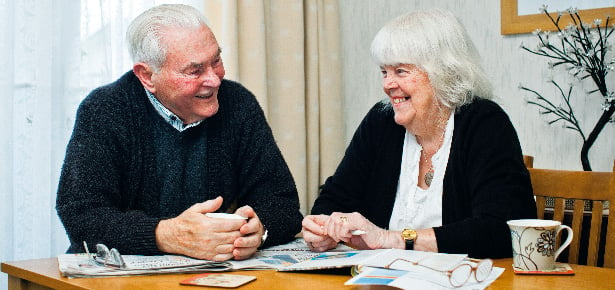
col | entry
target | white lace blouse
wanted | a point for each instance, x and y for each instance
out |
(414, 207)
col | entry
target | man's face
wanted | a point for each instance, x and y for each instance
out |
(188, 81)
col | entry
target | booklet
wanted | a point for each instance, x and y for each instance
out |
(417, 270)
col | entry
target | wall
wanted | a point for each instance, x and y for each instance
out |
(505, 63)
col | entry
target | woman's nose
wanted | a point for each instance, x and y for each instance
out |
(388, 82)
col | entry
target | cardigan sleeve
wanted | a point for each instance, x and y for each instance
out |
(343, 191)
(486, 184)
(366, 179)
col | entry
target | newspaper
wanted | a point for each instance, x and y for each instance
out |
(82, 266)
(378, 267)
(283, 257)
(287, 257)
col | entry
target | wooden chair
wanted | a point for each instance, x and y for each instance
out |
(579, 188)
(528, 160)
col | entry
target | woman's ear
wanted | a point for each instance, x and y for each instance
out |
(144, 72)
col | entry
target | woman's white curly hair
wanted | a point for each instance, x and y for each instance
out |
(437, 43)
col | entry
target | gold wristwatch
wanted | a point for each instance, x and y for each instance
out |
(409, 237)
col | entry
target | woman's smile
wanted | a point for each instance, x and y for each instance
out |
(399, 100)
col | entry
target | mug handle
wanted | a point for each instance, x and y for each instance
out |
(566, 243)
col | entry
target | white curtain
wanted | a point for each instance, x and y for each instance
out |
(52, 54)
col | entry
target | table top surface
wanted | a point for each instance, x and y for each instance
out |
(45, 272)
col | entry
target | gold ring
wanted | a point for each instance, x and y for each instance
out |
(344, 219)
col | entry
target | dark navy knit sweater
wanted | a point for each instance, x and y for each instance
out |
(126, 169)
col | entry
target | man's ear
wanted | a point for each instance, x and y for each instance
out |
(144, 72)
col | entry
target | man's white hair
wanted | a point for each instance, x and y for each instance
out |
(144, 32)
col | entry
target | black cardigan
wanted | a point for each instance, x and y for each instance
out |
(109, 192)
(485, 184)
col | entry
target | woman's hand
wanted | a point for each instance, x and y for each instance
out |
(314, 234)
(340, 226)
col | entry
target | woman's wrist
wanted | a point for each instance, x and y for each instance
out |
(393, 240)
(426, 240)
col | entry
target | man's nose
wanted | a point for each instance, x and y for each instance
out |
(211, 79)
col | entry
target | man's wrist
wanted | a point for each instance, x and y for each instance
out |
(264, 236)
(161, 233)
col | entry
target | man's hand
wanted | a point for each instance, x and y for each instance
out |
(195, 235)
(251, 234)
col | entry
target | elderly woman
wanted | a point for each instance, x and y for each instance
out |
(435, 167)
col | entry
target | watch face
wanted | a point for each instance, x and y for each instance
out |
(408, 234)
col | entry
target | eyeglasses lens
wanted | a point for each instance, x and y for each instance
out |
(460, 275)
(483, 269)
(102, 252)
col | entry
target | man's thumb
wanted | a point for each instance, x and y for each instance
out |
(208, 206)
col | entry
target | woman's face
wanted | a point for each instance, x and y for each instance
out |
(411, 95)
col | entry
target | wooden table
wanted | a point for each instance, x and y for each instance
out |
(44, 274)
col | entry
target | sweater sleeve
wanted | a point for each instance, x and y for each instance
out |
(486, 184)
(264, 179)
(93, 200)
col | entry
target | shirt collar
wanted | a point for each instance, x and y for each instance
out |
(168, 116)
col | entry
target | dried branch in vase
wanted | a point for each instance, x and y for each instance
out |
(583, 50)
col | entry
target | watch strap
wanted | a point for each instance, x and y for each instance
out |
(409, 236)
(409, 244)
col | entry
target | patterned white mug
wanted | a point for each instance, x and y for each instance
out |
(533, 243)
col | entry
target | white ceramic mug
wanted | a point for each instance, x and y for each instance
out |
(533, 243)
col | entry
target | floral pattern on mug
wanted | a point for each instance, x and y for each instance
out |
(534, 246)
(546, 243)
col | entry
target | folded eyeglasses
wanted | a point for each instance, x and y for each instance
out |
(460, 274)
(105, 257)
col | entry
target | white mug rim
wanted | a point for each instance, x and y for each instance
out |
(534, 223)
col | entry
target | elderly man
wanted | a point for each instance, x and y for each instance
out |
(170, 141)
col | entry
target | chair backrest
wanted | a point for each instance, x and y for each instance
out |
(528, 160)
(585, 192)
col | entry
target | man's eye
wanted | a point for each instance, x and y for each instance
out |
(217, 61)
(195, 72)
